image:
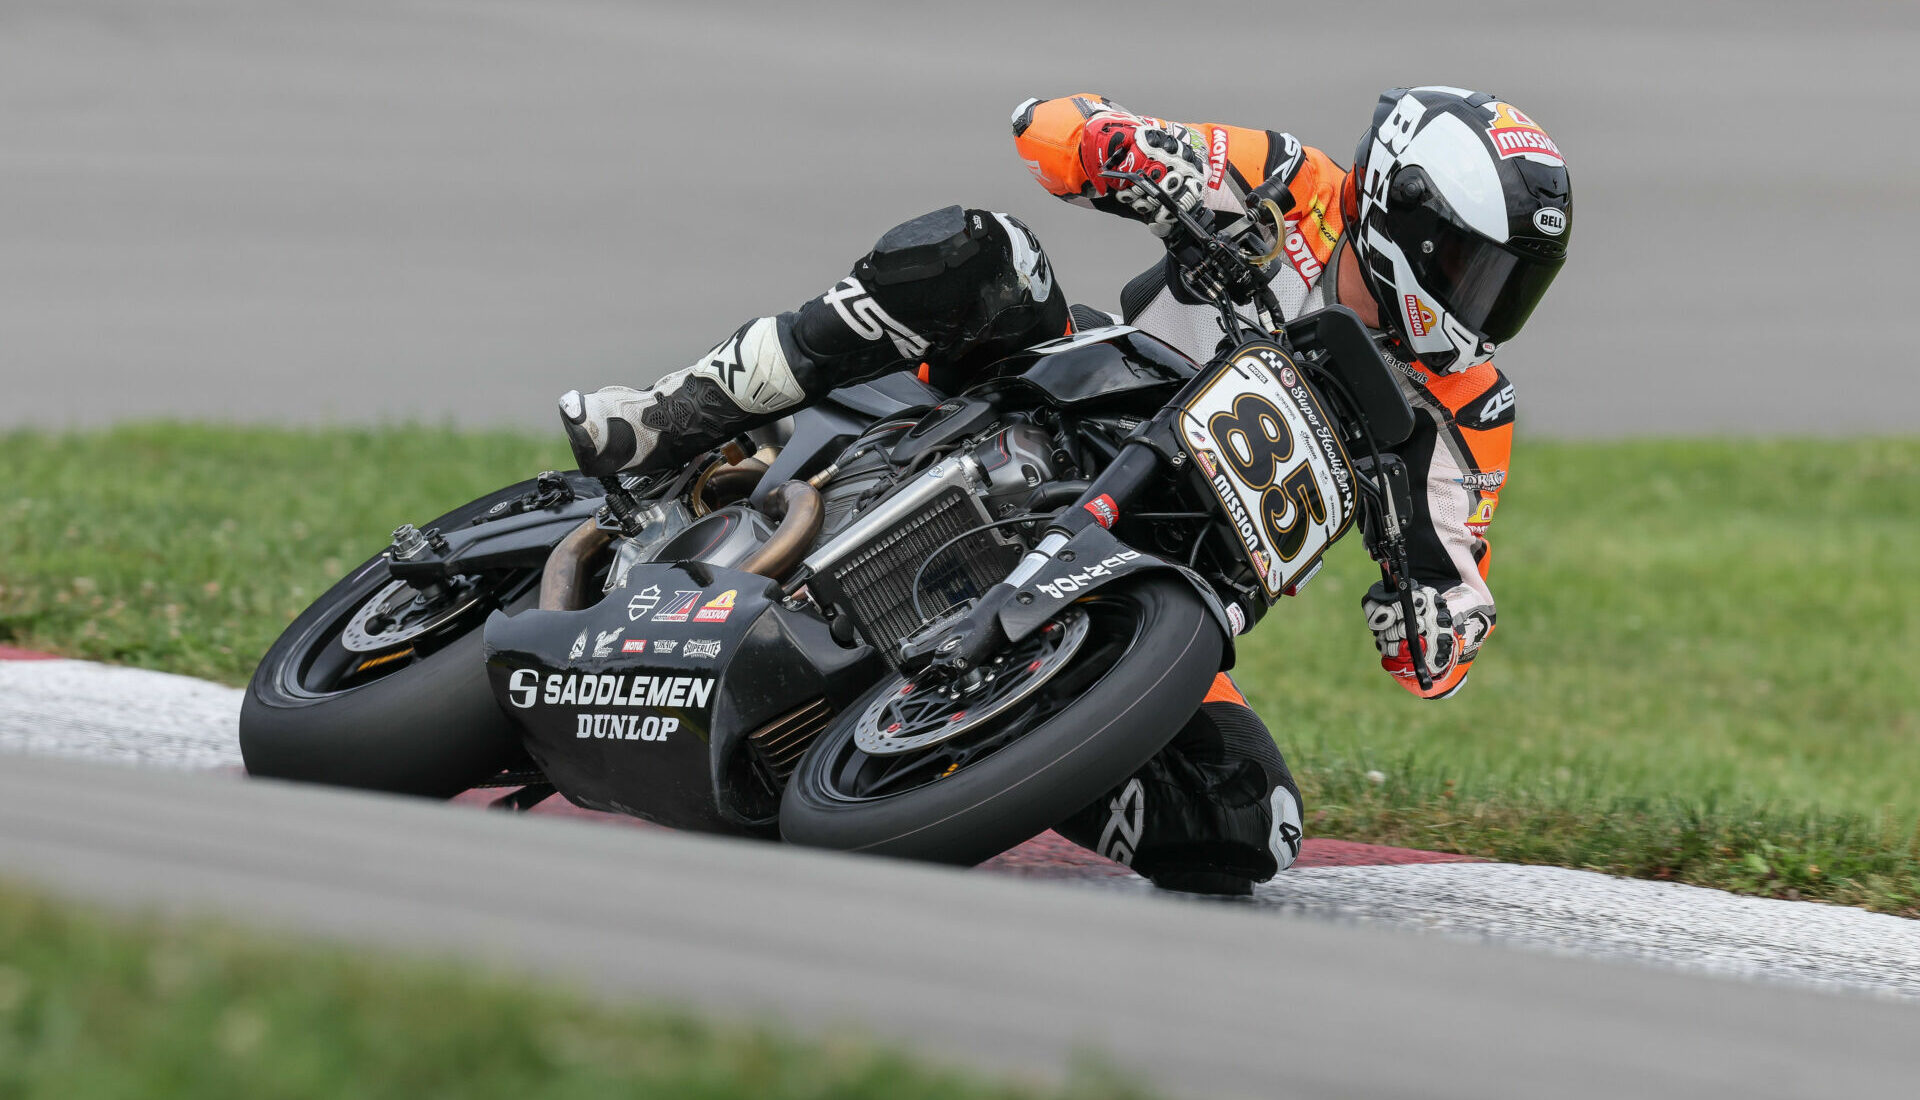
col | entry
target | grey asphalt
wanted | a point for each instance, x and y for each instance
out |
(355, 210)
(1201, 999)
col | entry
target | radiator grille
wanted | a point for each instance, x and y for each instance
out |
(875, 582)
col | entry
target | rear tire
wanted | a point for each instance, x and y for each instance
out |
(431, 727)
(1151, 683)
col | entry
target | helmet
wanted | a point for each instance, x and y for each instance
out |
(1459, 209)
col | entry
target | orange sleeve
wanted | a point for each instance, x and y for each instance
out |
(1046, 134)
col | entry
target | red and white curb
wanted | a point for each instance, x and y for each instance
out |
(79, 709)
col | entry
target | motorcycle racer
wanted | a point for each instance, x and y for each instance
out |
(1442, 237)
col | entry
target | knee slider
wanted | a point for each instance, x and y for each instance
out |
(924, 248)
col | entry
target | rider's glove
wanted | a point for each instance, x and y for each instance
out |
(1163, 152)
(1450, 634)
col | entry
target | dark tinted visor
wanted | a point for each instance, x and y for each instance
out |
(1488, 287)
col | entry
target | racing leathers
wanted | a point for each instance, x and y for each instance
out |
(955, 289)
(1458, 453)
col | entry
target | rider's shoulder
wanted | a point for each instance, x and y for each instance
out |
(1480, 397)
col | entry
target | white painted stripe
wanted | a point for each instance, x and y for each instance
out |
(83, 710)
(1593, 915)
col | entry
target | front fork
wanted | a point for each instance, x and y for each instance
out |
(958, 645)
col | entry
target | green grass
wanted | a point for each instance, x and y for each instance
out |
(93, 1008)
(1703, 669)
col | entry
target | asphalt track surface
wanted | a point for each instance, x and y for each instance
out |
(1201, 999)
(355, 210)
(1326, 991)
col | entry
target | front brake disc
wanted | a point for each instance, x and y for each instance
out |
(915, 715)
(402, 615)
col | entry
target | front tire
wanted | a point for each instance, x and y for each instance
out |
(425, 725)
(1141, 674)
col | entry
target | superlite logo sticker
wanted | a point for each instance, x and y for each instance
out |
(1420, 319)
(624, 727)
(612, 689)
(1516, 135)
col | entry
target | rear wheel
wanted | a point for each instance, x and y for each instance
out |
(383, 687)
(959, 779)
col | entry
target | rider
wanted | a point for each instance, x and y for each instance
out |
(1442, 237)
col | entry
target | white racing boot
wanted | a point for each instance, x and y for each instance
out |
(738, 385)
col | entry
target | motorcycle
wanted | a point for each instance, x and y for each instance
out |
(909, 622)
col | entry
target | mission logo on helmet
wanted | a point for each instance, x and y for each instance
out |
(1516, 135)
(1420, 319)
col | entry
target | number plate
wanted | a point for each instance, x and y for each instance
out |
(1258, 435)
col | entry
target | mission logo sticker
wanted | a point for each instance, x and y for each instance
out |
(1516, 135)
(678, 607)
(1420, 319)
(718, 608)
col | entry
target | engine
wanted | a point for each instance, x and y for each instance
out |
(875, 544)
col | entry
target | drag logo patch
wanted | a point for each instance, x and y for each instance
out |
(1420, 319)
(1516, 135)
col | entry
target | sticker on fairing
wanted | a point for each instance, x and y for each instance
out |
(1259, 436)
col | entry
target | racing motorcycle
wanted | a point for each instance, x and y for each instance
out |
(903, 621)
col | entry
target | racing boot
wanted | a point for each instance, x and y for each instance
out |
(1215, 812)
(742, 383)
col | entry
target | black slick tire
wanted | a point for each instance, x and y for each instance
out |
(1076, 755)
(431, 728)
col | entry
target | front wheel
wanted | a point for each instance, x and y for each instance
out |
(382, 688)
(886, 778)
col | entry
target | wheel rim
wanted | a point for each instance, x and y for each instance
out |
(921, 714)
(1107, 628)
(338, 653)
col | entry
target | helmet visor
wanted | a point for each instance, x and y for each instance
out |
(1487, 287)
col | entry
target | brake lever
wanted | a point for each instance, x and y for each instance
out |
(1396, 568)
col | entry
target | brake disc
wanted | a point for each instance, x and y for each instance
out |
(915, 715)
(404, 616)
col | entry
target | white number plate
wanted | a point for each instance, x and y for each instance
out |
(1263, 442)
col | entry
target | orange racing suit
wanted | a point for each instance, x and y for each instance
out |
(1457, 456)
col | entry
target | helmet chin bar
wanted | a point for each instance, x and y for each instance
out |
(1447, 346)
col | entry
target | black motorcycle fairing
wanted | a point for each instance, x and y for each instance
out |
(520, 541)
(642, 703)
(1099, 365)
(820, 433)
(888, 396)
(1089, 561)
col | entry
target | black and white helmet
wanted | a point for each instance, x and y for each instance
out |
(1459, 210)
